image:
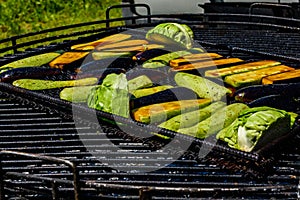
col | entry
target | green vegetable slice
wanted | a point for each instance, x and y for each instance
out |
(164, 60)
(203, 87)
(220, 119)
(32, 61)
(37, 84)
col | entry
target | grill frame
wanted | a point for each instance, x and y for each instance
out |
(53, 105)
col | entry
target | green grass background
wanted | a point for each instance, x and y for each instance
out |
(25, 16)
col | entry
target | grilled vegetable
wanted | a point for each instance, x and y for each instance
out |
(157, 113)
(285, 77)
(133, 49)
(256, 127)
(193, 58)
(101, 55)
(172, 94)
(254, 77)
(203, 87)
(191, 118)
(33, 61)
(139, 82)
(103, 41)
(118, 62)
(68, 58)
(111, 96)
(148, 54)
(205, 64)
(218, 120)
(250, 93)
(172, 34)
(29, 72)
(241, 68)
(100, 74)
(37, 84)
(279, 101)
(148, 91)
(123, 44)
(76, 94)
(163, 60)
(155, 75)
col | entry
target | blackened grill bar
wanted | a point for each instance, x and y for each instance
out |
(31, 149)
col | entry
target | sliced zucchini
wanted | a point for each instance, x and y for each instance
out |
(203, 87)
(148, 91)
(76, 94)
(32, 61)
(194, 58)
(103, 41)
(37, 84)
(205, 64)
(254, 77)
(241, 68)
(189, 119)
(285, 77)
(157, 113)
(67, 58)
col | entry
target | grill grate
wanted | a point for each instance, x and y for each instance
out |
(56, 161)
(56, 137)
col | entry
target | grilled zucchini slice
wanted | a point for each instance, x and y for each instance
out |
(67, 58)
(157, 113)
(103, 41)
(241, 68)
(33, 61)
(254, 77)
(194, 58)
(204, 64)
(286, 77)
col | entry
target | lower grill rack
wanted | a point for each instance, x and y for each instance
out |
(44, 157)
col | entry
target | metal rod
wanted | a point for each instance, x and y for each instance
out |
(55, 160)
(130, 6)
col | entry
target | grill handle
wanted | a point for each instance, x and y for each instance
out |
(44, 158)
(132, 7)
(272, 6)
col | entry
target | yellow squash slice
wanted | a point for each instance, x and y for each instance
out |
(67, 58)
(194, 58)
(241, 68)
(106, 40)
(254, 77)
(286, 77)
(205, 64)
(157, 113)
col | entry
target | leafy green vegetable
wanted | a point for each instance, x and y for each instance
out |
(111, 96)
(172, 34)
(256, 127)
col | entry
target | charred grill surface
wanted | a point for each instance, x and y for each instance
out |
(53, 137)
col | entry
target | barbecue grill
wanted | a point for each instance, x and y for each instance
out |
(46, 149)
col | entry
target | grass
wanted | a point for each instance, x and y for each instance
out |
(21, 17)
